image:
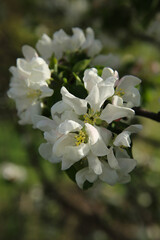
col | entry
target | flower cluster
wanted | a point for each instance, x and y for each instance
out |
(81, 129)
(62, 43)
(29, 84)
(84, 112)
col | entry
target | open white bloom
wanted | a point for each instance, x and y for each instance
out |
(99, 89)
(63, 43)
(29, 84)
(127, 90)
(123, 139)
(115, 170)
(70, 141)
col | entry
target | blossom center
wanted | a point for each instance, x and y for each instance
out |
(120, 92)
(33, 93)
(81, 138)
(91, 117)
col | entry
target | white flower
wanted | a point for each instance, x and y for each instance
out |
(69, 142)
(100, 89)
(91, 45)
(63, 43)
(115, 169)
(29, 84)
(127, 90)
(123, 139)
(76, 131)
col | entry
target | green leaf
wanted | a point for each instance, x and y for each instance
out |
(81, 65)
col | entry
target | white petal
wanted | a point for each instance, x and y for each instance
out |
(94, 48)
(108, 175)
(59, 107)
(117, 101)
(128, 81)
(91, 78)
(124, 178)
(75, 153)
(112, 161)
(111, 113)
(121, 153)
(127, 164)
(70, 115)
(29, 52)
(67, 163)
(134, 128)
(123, 139)
(105, 134)
(94, 98)
(78, 39)
(46, 91)
(69, 126)
(44, 46)
(43, 123)
(95, 141)
(94, 164)
(108, 72)
(132, 97)
(79, 105)
(61, 143)
(83, 175)
(45, 151)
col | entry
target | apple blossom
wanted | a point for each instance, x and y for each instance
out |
(29, 84)
(63, 43)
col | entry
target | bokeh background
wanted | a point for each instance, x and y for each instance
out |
(37, 200)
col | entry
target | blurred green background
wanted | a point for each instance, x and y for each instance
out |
(37, 200)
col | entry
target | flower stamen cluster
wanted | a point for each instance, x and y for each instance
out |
(81, 138)
(91, 117)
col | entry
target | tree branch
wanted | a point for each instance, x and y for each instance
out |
(147, 114)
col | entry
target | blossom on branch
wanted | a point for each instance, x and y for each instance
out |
(81, 110)
(29, 84)
(63, 43)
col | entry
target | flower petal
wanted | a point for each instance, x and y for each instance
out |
(108, 175)
(94, 164)
(95, 141)
(79, 105)
(45, 151)
(128, 81)
(83, 175)
(69, 126)
(44, 46)
(108, 72)
(75, 153)
(112, 161)
(91, 78)
(29, 52)
(111, 113)
(127, 164)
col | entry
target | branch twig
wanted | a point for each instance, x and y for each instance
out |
(147, 114)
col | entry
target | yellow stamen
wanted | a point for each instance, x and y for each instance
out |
(81, 138)
(91, 117)
(120, 92)
(33, 93)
